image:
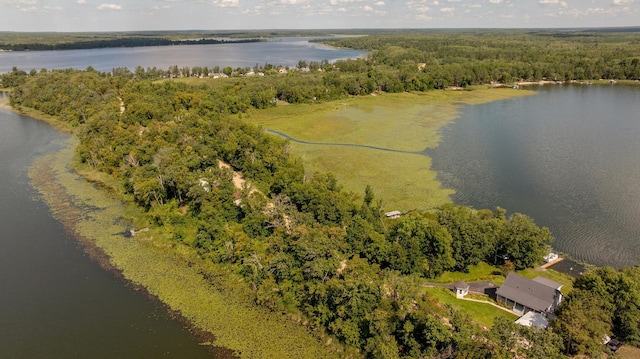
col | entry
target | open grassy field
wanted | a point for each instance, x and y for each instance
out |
(401, 126)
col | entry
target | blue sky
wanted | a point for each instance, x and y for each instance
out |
(118, 15)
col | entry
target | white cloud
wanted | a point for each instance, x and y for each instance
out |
(109, 7)
(621, 2)
(225, 3)
(448, 9)
(81, 2)
(495, 1)
(380, 3)
(367, 8)
(548, 2)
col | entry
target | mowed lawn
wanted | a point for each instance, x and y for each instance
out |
(407, 123)
(481, 313)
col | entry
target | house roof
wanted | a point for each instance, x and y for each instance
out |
(533, 294)
(460, 285)
(548, 282)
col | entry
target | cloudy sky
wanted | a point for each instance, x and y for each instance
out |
(120, 15)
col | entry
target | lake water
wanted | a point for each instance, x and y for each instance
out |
(54, 301)
(279, 51)
(568, 156)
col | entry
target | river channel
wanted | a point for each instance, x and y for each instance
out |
(568, 156)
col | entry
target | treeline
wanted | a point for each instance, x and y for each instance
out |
(603, 300)
(460, 58)
(302, 244)
(116, 42)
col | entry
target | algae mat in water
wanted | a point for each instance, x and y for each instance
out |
(213, 300)
(377, 140)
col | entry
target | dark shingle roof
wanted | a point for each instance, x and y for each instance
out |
(533, 294)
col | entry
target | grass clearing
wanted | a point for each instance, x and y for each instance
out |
(404, 122)
(479, 272)
(628, 352)
(481, 313)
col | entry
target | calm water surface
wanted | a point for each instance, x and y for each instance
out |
(569, 157)
(54, 301)
(280, 51)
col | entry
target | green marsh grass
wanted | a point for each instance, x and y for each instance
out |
(403, 122)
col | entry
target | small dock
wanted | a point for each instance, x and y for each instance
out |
(552, 263)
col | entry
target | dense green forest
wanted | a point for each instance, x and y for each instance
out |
(461, 58)
(302, 244)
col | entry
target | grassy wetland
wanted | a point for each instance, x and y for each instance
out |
(401, 126)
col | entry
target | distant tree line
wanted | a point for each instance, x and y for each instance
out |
(437, 59)
(116, 42)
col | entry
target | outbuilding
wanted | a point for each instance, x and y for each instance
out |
(461, 289)
(393, 214)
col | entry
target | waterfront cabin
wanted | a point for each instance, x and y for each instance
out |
(524, 295)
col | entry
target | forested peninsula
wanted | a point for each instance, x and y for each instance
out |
(211, 192)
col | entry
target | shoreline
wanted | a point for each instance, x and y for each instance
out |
(198, 293)
(52, 191)
(119, 256)
(577, 82)
(390, 156)
(205, 297)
